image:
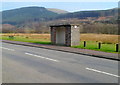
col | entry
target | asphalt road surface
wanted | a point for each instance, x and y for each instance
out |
(23, 64)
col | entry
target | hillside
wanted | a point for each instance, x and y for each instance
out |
(38, 20)
(27, 14)
(39, 14)
(59, 11)
(85, 14)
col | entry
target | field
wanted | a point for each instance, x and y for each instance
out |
(32, 38)
(92, 40)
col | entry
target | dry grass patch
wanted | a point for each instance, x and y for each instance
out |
(104, 38)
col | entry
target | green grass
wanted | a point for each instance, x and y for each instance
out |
(94, 46)
(89, 45)
(23, 39)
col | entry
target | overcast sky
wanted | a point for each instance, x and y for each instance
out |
(68, 6)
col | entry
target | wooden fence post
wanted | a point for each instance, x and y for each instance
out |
(99, 45)
(84, 43)
(117, 47)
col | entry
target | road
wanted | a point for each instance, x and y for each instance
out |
(23, 64)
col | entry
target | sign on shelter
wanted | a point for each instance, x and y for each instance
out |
(68, 35)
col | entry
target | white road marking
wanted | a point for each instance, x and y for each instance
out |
(7, 48)
(42, 57)
(102, 72)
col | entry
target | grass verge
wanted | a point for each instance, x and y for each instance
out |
(94, 46)
(24, 39)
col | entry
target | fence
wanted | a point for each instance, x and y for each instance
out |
(101, 46)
